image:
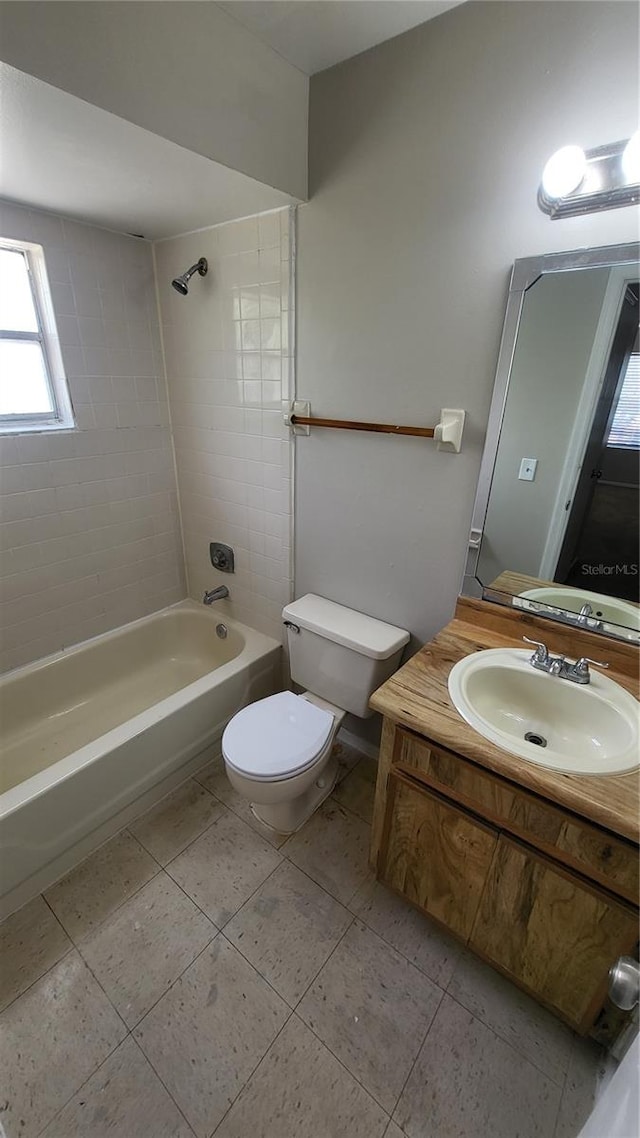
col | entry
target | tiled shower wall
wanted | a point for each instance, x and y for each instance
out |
(228, 352)
(90, 536)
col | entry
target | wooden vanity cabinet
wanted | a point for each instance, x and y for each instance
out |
(548, 898)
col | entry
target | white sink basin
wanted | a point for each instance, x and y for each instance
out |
(612, 611)
(573, 728)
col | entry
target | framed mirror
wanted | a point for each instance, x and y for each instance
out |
(555, 521)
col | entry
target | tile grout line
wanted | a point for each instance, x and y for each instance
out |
(344, 1066)
(248, 1080)
(70, 948)
(508, 1043)
(564, 1088)
(294, 1015)
(130, 1030)
(100, 923)
(411, 1069)
(314, 1032)
(146, 1058)
(191, 840)
(496, 1035)
(172, 985)
(76, 948)
(161, 1081)
(316, 974)
(219, 928)
(442, 995)
(84, 1083)
(390, 943)
(218, 931)
(141, 1048)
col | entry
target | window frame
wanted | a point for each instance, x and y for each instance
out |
(61, 416)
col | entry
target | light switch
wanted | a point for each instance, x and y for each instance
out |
(528, 468)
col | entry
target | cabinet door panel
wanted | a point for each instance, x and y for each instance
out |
(435, 855)
(552, 933)
(611, 861)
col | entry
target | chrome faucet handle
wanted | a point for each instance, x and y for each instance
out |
(541, 654)
(581, 666)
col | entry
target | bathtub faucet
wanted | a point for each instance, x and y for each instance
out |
(215, 595)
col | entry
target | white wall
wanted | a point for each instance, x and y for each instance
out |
(188, 72)
(90, 536)
(228, 355)
(425, 158)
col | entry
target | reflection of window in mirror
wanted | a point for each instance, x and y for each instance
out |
(625, 425)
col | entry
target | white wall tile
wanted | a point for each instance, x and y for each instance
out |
(233, 453)
(78, 505)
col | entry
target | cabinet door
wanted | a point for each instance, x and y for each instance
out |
(551, 932)
(610, 861)
(435, 854)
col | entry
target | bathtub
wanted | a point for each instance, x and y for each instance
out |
(96, 734)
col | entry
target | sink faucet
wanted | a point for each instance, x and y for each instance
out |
(218, 594)
(577, 672)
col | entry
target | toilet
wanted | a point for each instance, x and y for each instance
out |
(278, 751)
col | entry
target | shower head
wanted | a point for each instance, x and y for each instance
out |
(181, 284)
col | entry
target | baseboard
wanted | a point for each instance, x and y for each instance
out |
(368, 749)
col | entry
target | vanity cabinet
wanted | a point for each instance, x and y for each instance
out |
(547, 897)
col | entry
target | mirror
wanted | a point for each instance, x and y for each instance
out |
(555, 523)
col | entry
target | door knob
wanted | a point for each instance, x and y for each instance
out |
(624, 983)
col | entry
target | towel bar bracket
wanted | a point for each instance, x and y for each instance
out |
(291, 411)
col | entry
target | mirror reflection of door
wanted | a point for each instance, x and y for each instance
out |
(600, 546)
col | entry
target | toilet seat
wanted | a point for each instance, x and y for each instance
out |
(277, 737)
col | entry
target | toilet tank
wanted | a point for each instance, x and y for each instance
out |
(339, 654)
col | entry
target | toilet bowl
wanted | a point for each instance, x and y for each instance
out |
(278, 751)
(278, 755)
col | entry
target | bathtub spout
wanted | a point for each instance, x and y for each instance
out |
(218, 594)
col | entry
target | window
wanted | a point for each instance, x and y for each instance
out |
(625, 427)
(33, 392)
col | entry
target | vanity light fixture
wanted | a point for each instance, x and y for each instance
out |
(578, 181)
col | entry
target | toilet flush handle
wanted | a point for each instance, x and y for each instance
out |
(293, 627)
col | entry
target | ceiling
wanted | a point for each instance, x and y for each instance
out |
(315, 34)
(62, 154)
(66, 155)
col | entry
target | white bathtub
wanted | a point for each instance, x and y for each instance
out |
(94, 735)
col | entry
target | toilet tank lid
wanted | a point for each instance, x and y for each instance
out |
(344, 626)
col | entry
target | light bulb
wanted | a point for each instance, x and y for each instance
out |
(631, 159)
(564, 171)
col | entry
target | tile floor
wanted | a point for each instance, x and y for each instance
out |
(200, 976)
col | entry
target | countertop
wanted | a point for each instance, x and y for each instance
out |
(417, 697)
